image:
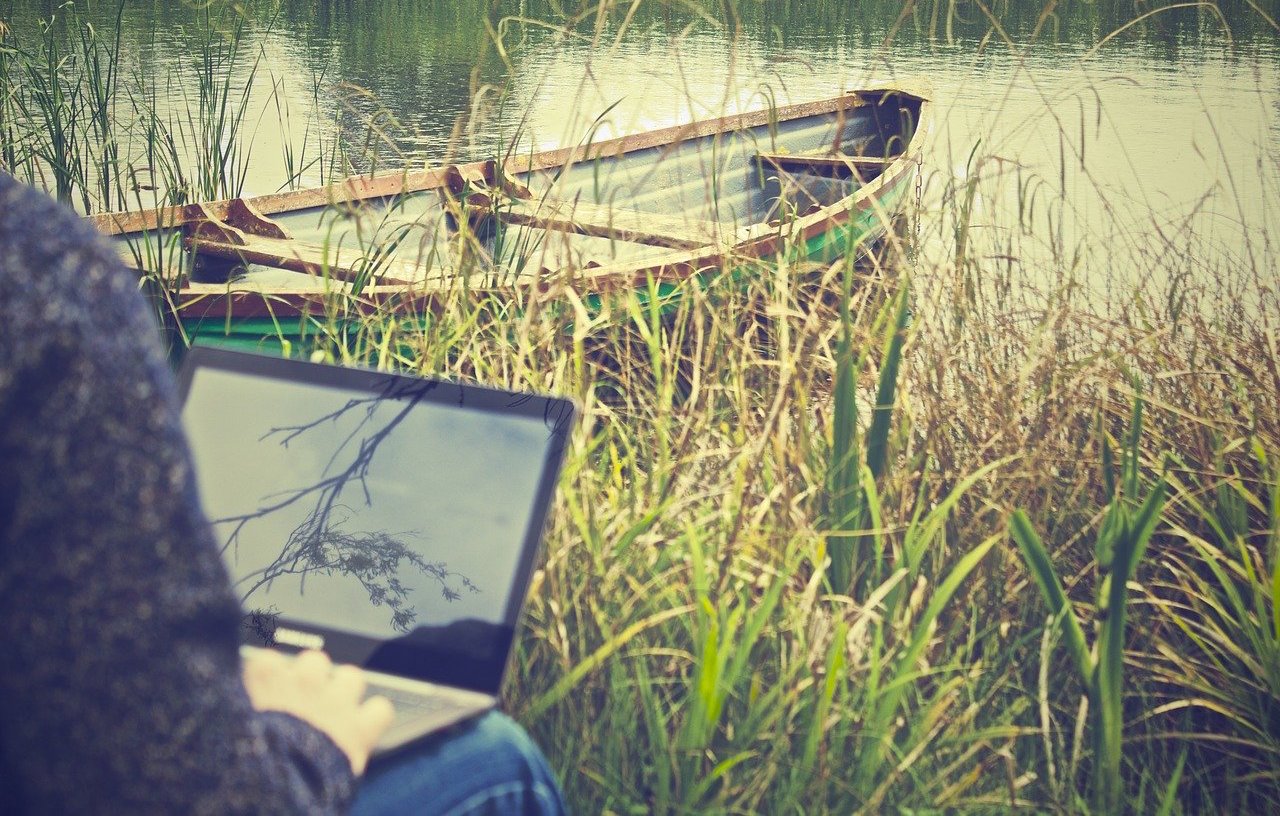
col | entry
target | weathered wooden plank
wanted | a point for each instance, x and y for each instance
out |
(352, 190)
(828, 163)
(872, 94)
(604, 221)
(219, 302)
(309, 259)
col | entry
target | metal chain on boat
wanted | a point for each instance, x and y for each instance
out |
(916, 215)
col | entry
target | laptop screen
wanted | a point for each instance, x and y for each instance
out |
(392, 519)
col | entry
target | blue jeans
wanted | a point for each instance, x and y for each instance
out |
(490, 766)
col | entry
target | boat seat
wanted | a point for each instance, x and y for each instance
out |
(246, 236)
(237, 247)
(837, 165)
(605, 221)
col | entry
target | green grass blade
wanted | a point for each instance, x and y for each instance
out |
(1037, 558)
(843, 499)
(885, 707)
(919, 534)
(886, 393)
(871, 570)
(826, 692)
(1108, 462)
(761, 612)
(1130, 467)
(1170, 797)
(594, 660)
(1143, 527)
(937, 602)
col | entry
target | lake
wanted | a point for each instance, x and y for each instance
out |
(1095, 147)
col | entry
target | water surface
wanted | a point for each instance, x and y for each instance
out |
(1089, 154)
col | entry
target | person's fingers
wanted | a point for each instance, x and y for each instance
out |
(313, 665)
(378, 713)
(257, 661)
(264, 656)
(311, 687)
(349, 681)
(313, 659)
(260, 666)
(370, 719)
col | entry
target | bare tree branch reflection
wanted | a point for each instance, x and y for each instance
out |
(321, 543)
(262, 624)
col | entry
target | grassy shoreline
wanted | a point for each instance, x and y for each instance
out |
(683, 606)
(687, 649)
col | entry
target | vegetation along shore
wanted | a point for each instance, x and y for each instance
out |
(983, 518)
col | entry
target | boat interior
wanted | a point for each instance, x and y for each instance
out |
(626, 200)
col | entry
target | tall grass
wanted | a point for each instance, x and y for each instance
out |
(60, 122)
(686, 651)
(84, 115)
(211, 123)
(9, 110)
(804, 540)
(1129, 521)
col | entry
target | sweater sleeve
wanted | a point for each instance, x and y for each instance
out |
(120, 687)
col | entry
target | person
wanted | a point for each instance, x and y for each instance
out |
(122, 688)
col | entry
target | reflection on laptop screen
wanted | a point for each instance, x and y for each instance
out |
(378, 514)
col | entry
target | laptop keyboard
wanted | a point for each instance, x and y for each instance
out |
(407, 702)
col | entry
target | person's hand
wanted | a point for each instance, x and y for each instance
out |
(328, 697)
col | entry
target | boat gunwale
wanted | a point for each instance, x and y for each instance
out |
(359, 188)
(673, 265)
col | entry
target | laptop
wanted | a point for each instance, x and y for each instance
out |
(390, 520)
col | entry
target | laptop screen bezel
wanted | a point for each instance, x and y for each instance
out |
(403, 656)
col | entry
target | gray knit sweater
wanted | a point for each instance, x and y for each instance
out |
(120, 689)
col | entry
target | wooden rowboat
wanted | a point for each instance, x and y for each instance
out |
(655, 208)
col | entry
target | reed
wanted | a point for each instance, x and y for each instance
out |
(790, 566)
(1128, 522)
(83, 115)
(58, 122)
(11, 148)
